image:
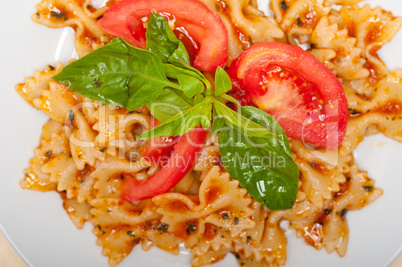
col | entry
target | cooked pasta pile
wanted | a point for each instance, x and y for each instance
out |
(87, 146)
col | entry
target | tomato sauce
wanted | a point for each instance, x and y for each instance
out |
(343, 188)
(177, 207)
(184, 230)
(392, 107)
(110, 3)
(313, 234)
(88, 39)
(210, 231)
(351, 27)
(374, 77)
(375, 30)
(212, 194)
(310, 19)
(320, 167)
(58, 14)
(224, 9)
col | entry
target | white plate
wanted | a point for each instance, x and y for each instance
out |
(39, 228)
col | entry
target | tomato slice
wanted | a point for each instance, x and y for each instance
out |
(159, 149)
(178, 165)
(127, 19)
(295, 88)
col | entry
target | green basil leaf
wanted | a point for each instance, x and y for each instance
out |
(267, 121)
(264, 166)
(190, 85)
(239, 122)
(174, 68)
(218, 122)
(163, 42)
(230, 99)
(223, 84)
(180, 54)
(183, 122)
(198, 99)
(117, 74)
(169, 103)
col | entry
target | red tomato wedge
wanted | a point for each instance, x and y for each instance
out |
(158, 149)
(127, 19)
(178, 165)
(295, 88)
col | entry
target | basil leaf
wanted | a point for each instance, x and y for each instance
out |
(183, 122)
(223, 84)
(198, 99)
(163, 42)
(117, 74)
(231, 99)
(267, 121)
(218, 122)
(180, 54)
(264, 166)
(190, 85)
(174, 68)
(169, 103)
(239, 122)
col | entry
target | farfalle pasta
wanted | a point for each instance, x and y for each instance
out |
(87, 147)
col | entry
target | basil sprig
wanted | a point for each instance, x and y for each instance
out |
(253, 146)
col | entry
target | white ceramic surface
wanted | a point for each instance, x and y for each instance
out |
(39, 228)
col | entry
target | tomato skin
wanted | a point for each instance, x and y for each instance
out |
(240, 92)
(159, 149)
(123, 19)
(323, 127)
(178, 165)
